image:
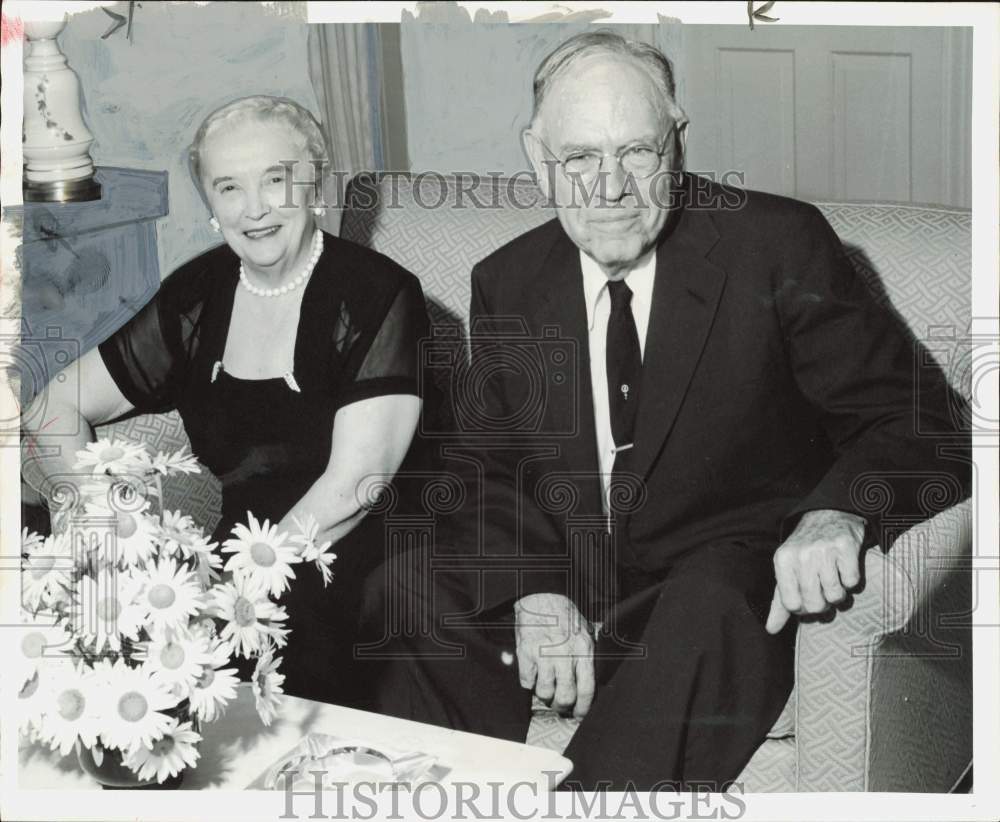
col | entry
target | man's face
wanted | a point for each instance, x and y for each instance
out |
(605, 104)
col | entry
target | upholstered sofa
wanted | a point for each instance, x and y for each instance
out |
(883, 695)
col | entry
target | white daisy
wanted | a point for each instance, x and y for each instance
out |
(171, 596)
(267, 686)
(117, 493)
(31, 702)
(107, 607)
(208, 565)
(177, 533)
(194, 545)
(30, 541)
(178, 660)
(216, 686)
(33, 697)
(33, 645)
(132, 706)
(249, 615)
(102, 671)
(311, 552)
(262, 554)
(123, 535)
(204, 626)
(168, 755)
(175, 462)
(115, 457)
(219, 651)
(46, 571)
(71, 711)
(202, 545)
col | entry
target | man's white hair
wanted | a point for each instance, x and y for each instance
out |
(603, 41)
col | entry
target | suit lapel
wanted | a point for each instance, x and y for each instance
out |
(562, 309)
(686, 294)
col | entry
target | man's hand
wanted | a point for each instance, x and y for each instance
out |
(816, 565)
(555, 654)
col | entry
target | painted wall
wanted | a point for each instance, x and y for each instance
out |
(145, 99)
(468, 87)
(819, 113)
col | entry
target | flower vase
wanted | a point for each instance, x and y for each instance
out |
(113, 774)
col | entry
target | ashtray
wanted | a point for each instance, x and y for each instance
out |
(346, 761)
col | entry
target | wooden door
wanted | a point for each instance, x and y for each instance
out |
(829, 112)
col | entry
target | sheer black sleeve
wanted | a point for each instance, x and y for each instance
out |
(148, 357)
(384, 358)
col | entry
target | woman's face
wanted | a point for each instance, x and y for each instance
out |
(265, 220)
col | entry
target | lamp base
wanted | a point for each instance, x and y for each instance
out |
(82, 190)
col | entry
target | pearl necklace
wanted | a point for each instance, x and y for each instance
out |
(317, 250)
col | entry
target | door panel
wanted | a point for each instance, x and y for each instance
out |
(829, 112)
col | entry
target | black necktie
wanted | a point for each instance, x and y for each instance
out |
(624, 361)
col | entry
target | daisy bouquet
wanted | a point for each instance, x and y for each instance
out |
(133, 619)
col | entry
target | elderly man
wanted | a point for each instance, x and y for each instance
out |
(736, 385)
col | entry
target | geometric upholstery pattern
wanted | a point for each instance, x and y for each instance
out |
(437, 231)
(920, 258)
(772, 768)
(197, 495)
(879, 704)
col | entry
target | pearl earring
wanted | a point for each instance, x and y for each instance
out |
(317, 211)
(215, 224)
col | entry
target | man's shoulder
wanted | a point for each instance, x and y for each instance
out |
(738, 210)
(518, 254)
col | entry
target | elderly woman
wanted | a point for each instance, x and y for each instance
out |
(291, 356)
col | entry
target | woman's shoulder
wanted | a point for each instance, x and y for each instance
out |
(360, 267)
(192, 281)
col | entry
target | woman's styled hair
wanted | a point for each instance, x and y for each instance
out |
(603, 41)
(264, 108)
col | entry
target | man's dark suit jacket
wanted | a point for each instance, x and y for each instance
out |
(774, 382)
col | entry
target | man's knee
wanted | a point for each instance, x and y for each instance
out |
(727, 582)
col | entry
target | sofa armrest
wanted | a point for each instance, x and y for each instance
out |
(885, 686)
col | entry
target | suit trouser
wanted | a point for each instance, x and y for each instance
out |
(688, 681)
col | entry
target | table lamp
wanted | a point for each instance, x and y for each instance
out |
(57, 163)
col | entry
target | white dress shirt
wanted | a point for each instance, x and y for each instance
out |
(595, 291)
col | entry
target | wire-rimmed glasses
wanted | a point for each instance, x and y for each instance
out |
(640, 160)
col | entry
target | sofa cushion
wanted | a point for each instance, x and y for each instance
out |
(430, 225)
(772, 768)
(919, 260)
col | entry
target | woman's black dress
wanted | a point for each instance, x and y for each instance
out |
(360, 324)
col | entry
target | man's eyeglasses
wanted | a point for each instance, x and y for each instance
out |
(640, 161)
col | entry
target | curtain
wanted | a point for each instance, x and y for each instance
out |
(345, 69)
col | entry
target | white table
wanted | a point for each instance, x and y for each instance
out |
(238, 748)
